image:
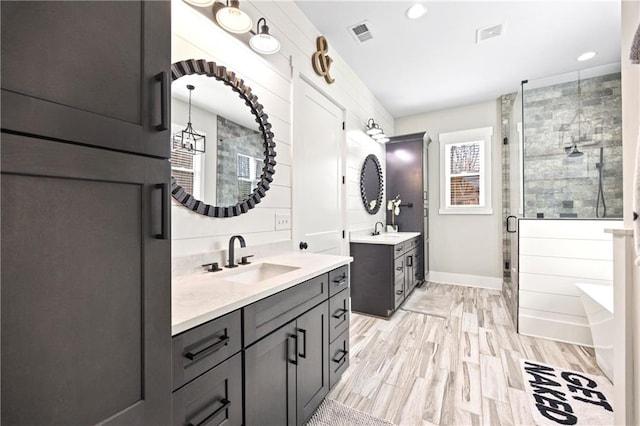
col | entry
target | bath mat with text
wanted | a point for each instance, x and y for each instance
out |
(558, 396)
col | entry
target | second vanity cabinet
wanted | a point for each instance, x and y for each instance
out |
(269, 363)
(383, 275)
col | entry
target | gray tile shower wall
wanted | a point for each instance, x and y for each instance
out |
(589, 113)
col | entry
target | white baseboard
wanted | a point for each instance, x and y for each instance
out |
(480, 281)
(576, 334)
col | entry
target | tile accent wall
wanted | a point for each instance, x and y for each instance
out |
(555, 184)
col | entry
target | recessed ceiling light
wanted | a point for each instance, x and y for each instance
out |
(415, 11)
(586, 56)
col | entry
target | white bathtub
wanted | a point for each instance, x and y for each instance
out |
(598, 305)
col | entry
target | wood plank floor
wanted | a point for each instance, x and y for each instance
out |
(449, 356)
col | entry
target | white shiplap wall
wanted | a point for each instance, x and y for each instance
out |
(272, 80)
(554, 255)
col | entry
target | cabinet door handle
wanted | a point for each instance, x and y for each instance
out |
(398, 292)
(509, 230)
(339, 359)
(340, 312)
(164, 211)
(399, 268)
(399, 249)
(295, 360)
(209, 349)
(202, 419)
(163, 78)
(304, 343)
(409, 260)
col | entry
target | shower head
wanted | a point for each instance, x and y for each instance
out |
(573, 152)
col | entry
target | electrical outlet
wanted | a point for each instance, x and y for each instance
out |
(283, 221)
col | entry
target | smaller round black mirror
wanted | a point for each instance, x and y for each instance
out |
(371, 184)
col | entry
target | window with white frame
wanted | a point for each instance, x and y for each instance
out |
(249, 173)
(465, 171)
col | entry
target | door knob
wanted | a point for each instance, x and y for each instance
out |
(303, 245)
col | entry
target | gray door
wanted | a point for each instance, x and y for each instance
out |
(86, 290)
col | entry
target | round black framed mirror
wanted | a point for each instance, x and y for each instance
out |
(371, 184)
(250, 188)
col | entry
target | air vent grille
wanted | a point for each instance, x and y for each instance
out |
(490, 32)
(361, 32)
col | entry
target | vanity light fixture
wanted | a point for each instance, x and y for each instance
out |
(190, 140)
(375, 132)
(231, 18)
(200, 3)
(262, 41)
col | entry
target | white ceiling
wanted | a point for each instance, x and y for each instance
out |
(432, 63)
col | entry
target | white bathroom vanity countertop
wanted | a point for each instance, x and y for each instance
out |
(201, 297)
(389, 238)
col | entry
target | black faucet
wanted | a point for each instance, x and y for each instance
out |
(231, 257)
(375, 228)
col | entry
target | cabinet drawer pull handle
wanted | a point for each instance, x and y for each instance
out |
(399, 249)
(399, 268)
(164, 211)
(295, 360)
(198, 354)
(339, 282)
(163, 78)
(340, 312)
(339, 359)
(398, 292)
(304, 342)
(203, 419)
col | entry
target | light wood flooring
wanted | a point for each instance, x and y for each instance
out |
(458, 364)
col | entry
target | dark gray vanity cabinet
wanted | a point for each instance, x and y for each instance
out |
(86, 285)
(287, 373)
(383, 275)
(85, 72)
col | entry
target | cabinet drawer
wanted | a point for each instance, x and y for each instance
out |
(398, 266)
(199, 349)
(338, 280)
(266, 315)
(213, 398)
(338, 314)
(399, 291)
(398, 249)
(338, 358)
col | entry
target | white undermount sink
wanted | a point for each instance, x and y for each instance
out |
(258, 272)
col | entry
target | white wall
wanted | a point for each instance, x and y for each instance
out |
(271, 78)
(464, 249)
(554, 255)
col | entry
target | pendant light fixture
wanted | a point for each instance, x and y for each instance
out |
(190, 140)
(232, 19)
(262, 41)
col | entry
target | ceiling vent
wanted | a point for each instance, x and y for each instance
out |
(361, 32)
(487, 33)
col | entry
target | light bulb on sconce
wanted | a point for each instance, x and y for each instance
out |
(200, 3)
(262, 41)
(231, 18)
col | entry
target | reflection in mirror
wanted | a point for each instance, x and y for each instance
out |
(371, 184)
(235, 170)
